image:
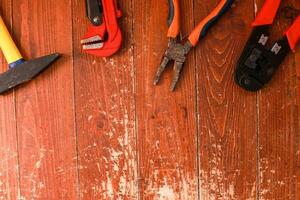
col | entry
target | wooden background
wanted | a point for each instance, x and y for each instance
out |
(94, 128)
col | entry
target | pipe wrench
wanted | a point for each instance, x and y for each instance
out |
(104, 37)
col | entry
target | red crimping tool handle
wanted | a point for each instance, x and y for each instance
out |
(105, 39)
(267, 13)
(293, 33)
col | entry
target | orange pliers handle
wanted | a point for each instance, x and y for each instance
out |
(174, 19)
(202, 28)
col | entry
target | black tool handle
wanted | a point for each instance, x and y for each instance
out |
(94, 11)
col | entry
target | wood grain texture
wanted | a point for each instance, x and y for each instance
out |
(297, 153)
(167, 141)
(94, 128)
(105, 114)
(9, 179)
(44, 107)
(227, 114)
(297, 169)
(278, 126)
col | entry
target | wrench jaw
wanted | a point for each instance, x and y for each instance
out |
(94, 38)
(103, 44)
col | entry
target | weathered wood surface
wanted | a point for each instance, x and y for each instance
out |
(167, 142)
(278, 126)
(227, 114)
(9, 170)
(94, 128)
(44, 107)
(105, 115)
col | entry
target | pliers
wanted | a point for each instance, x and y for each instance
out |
(258, 63)
(177, 49)
(104, 37)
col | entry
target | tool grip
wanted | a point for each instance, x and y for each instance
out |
(267, 13)
(202, 28)
(173, 19)
(9, 48)
(293, 33)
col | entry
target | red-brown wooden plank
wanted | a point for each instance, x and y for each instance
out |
(9, 182)
(44, 107)
(105, 114)
(297, 65)
(279, 126)
(227, 114)
(166, 120)
(297, 156)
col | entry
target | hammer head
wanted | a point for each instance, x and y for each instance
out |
(25, 72)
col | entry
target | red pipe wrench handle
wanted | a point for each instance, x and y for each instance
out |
(267, 13)
(293, 33)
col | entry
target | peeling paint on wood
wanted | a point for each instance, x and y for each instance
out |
(106, 116)
(227, 114)
(96, 128)
(279, 128)
(44, 107)
(166, 121)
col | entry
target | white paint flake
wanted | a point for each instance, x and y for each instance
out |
(165, 193)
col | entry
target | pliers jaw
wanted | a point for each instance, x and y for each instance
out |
(176, 52)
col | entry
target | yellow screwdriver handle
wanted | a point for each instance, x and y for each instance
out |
(8, 47)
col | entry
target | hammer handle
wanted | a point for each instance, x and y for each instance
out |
(8, 47)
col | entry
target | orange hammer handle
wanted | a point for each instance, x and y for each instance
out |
(174, 19)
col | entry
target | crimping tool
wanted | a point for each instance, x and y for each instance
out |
(258, 63)
(20, 71)
(177, 51)
(104, 36)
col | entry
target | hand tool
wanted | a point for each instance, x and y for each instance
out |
(104, 37)
(20, 71)
(177, 50)
(258, 63)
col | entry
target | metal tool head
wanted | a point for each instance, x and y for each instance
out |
(175, 52)
(258, 62)
(94, 39)
(101, 42)
(25, 72)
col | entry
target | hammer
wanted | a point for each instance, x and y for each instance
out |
(20, 71)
